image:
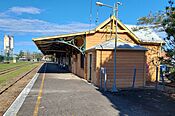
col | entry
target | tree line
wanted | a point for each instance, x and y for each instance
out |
(25, 55)
(29, 55)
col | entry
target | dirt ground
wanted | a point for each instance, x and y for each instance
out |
(149, 102)
(7, 98)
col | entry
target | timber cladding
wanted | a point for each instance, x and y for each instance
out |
(126, 62)
(76, 65)
(153, 55)
(94, 39)
(91, 67)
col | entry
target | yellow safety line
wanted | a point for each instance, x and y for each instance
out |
(35, 113)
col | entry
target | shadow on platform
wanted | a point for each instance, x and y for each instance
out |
(141, 102)
(50, 67)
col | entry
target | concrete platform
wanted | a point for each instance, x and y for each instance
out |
(65, 94)
(59, 93)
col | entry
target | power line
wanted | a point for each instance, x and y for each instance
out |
(97, 13)
(90, 17)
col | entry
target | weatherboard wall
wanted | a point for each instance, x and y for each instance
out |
(99, 37)
(152, 53)
(76, 66)
(126, 62)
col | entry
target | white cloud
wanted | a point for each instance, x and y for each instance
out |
(21, 26)
(36, 26)
(29, 10)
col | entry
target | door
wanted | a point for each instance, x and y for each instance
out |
(90, 67)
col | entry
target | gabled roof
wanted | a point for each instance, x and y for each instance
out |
(99, 29)
(79, 33)
(125, 29)
(110, 45)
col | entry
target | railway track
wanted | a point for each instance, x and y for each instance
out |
(12, 69)
(13, 83)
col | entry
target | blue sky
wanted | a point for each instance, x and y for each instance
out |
(27, 19)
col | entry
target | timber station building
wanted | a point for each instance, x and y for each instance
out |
(85, 53)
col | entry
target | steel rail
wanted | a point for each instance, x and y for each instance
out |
(9, 86)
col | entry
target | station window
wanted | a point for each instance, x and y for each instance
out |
(82, 61)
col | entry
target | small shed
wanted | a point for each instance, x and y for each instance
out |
(131, 61)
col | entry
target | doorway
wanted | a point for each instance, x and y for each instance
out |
(90, 67)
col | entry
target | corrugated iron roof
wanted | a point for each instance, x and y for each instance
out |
(110, 45)
(145, 33)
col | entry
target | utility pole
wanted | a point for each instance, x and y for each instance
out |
(115, 8)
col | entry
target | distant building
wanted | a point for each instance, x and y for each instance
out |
(8, 47)
(8, 43)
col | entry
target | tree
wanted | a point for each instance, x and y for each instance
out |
(165, 19)
(169, 23)
(169, 26)
(37, 56)
(152, 19)
(1, 58)
(21, 54)
(28, 55)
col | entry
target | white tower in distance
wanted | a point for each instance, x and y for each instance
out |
(8, 47)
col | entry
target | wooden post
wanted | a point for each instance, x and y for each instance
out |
(163, 81)
(105, 79)
(157, 76)
(100, 78)
(134, 77)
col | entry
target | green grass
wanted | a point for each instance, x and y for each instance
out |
(6, 77)
(11, 65)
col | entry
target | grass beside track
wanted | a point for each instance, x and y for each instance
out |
(11, 65)
(17, 73)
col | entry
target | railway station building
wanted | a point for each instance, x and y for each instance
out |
(85, 53)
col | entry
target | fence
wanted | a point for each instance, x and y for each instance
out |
(126, 77)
